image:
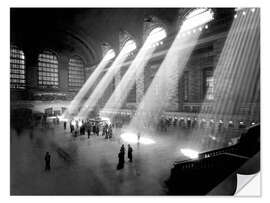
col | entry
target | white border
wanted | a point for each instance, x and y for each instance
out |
(4, 68)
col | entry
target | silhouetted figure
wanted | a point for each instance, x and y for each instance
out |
(88, 133)
(139, 137)
(97, 130)
(121, 158)
(123, 150)
(110, 132)
(94, 129)
(65, 125)
(47, 162)
(71, 127)
(130, 153)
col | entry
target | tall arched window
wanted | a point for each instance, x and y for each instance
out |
(17, 68)
(156, 35)
(47, 70)
(76, 74)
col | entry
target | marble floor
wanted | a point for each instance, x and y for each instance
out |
(82, 166)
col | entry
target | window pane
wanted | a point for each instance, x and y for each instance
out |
(47, 69)
(17, 68)
(76, 73)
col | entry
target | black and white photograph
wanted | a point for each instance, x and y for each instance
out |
(134, 101)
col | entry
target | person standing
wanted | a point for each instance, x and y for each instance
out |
(123, 150)
(139, 137)
(88, 132)
(94, 128)
(120, 160)
(65, 125)
(97, 130)
(130, 153)
(47, 162)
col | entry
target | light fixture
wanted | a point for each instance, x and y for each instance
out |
(235, 16)
(206, 26)
(253, 10)
(244, 13)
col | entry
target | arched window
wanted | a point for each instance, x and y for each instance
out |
(17, 68)
(156, 35)
(110, 54)
(129, 47)
(47, 70)
(75, 73)
(197, 17)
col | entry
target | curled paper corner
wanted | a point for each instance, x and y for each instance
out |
(248, 185)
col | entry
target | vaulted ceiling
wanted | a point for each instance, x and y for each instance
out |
(81, 30)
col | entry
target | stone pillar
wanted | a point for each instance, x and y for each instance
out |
(31, 70)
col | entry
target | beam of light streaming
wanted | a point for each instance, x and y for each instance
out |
(237, 72)
(77, 100)
(166, 79)
(135, 70)
(97, 93)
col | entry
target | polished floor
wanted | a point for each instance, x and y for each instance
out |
(82, 166)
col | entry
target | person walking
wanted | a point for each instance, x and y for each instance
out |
(47, 162)
(130, 153)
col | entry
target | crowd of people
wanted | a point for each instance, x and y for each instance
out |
(162, 123)
(91, 127)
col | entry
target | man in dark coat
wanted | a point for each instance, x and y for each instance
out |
(47, 162)
(97, 130)
(65, 125)
(120, 160)
(94, 129)
(88, 131)
(130, 153)
(123, 150)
